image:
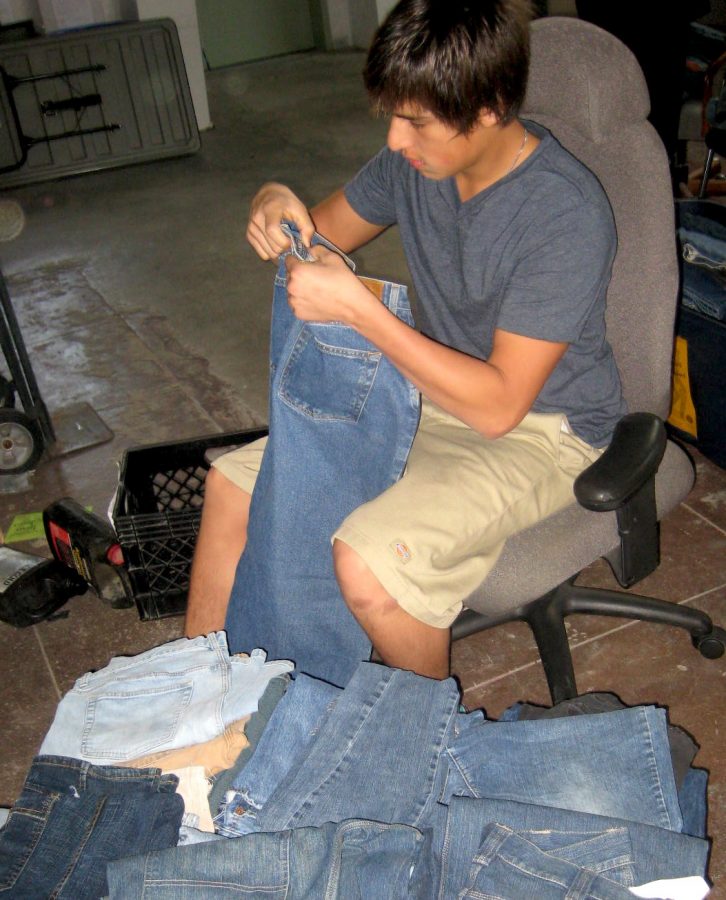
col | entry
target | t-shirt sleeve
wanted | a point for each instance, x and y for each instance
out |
(371, 191)
(560, 272)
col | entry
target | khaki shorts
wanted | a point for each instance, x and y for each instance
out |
(435, 535)
(242, 465)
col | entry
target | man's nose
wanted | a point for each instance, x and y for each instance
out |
(397, 134)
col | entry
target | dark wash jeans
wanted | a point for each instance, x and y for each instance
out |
(342, 421)
(72, 818)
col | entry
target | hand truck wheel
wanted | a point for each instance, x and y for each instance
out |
(20, 443)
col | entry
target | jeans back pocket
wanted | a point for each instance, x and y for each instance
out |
(326, 376)
(125, 724)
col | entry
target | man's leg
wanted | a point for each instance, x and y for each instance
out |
(221, 540)
(398, 638)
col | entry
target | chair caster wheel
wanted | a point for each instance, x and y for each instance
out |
(712, 644)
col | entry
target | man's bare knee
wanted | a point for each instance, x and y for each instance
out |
(362, 591)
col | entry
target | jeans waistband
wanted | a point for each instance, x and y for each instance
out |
(182, 655)
(297, 248)
(394, 296)
(61, 773)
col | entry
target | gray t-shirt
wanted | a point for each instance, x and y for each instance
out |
(531, 255)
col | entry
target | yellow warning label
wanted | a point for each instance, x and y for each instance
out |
(683, 412)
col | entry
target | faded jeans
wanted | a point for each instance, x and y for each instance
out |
(181, 693)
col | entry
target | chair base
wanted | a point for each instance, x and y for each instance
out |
(546, 618)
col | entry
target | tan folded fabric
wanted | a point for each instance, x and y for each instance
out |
(215, 755)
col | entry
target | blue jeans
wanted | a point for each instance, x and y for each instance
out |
(378, 754)
(342, 420)
(507, 865)
(702, 238)
(352, 860)
(693, 801)
(612, 764)
(382, 753)
(292, 727)
(691, 783)
(71, 818)
(254, 730)
(181, 693)
(705, 291)
(625, 852)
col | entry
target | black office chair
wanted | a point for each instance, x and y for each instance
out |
(587, 88)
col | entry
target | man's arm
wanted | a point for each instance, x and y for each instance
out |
(334, 218)
(491, 397)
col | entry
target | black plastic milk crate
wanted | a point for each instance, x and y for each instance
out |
(156, 514)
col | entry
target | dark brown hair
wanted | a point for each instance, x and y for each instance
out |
(453, 58)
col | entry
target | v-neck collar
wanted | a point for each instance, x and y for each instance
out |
(449, 190)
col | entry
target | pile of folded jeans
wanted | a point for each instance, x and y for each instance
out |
(381, 789)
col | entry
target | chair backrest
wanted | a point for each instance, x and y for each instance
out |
(587, 88)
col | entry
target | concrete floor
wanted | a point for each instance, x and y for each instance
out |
(137, 293)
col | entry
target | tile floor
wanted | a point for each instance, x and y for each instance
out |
(135, 293)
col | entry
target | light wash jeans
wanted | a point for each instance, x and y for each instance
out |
(181, 693)
(342, 420)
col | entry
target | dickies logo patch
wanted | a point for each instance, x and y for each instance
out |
(401, 550)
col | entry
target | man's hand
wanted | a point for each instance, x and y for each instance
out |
(325, 290)
(271, 205)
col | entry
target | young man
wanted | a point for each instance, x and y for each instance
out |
(510, 242)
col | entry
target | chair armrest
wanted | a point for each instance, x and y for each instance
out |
(631, 460)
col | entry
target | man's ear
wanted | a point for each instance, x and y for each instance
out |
(488, 118)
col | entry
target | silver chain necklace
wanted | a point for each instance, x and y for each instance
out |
(519, 153)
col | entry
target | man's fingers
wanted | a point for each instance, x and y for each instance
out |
(267, 245)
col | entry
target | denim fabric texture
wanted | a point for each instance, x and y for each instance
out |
(72, 818)
(702, 239)
(256, 727)
(284, 743)
(626, 852)
(352, 860)
(507, 865)
(683, 747)
(693, 801)
(378, 755)
(342, 420)
(382, 753)
(180, 693)
(705, 291)
(612, 764)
